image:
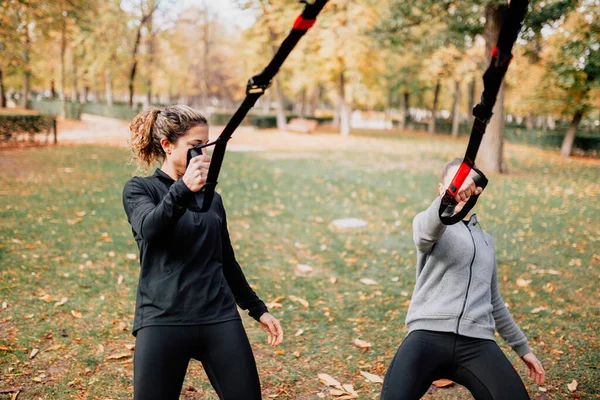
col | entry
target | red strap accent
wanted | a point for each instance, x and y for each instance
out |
(459, 178)
(496, 55)
(303, 24)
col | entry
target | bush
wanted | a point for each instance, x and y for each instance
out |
(54, 108)
(13, 125)
(117, 110)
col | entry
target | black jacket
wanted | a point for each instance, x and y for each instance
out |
(189, 274)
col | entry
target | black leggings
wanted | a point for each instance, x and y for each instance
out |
(162, 354)
(477, 364)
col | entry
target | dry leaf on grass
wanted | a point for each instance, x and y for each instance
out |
(130, 347)
(118, 356)
(330, 381)
(131, 256)
(523, 282)
(76, 314)
(441, 383)
(572, 386)
(368, 281)
(33, 353)
(361, 344)
(299, 300)
(47, 298)
(61, 302)
(4, 348)
(371, 377)
(299, 332)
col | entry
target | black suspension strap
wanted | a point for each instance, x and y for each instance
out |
(256, 87)
(492, 80)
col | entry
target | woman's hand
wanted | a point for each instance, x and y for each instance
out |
(273, 328)
(467, 190)
(196, 172)
(534, 368)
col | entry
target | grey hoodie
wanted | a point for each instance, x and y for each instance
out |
(457, 287)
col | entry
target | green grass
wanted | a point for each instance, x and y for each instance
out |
(544, 215)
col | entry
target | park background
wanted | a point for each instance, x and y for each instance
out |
(390, 84)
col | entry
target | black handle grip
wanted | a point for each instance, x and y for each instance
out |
(203, 197)
(449, 203)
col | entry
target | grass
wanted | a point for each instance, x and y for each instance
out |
(64, 235)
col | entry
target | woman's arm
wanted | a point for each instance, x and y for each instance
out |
(245, 297)
(151, 220)
(427, 227)
(505, 324)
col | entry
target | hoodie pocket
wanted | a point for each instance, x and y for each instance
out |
(447, 298)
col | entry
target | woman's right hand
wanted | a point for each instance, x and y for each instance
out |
(196, 173)
(467, 190)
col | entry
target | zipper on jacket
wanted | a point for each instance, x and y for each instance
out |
(462, 311)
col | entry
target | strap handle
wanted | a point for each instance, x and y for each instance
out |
(449, 203)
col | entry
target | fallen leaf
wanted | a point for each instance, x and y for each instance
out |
(330, 381)
(371, 377)
(542, 389)
(368, 281)
(17, 241)
(74, 221)
(131, 256)
(337, 392)
(537, 310)
(118, 356)
(130, 347)
(4, 348)
(361, 344)
(61, 302)
(37, 379)
(302, 269)
(299, 332)
(122, 326)
(523, 282)
(4, 305)
(120, 280)
(441, 383)
(299, 300)
(332, 280)
(81, 213)
(47, 298)
(33, 353)
(572, 386)
(76, 314)
(297, 354)
(55, 347)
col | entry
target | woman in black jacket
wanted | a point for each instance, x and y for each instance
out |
(190, 280)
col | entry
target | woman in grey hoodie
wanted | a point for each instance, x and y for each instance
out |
(455, 310)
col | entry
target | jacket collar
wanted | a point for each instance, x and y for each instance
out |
(162, 175)
(473, 220)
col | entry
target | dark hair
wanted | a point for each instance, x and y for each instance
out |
(454, 163)
(153, 124)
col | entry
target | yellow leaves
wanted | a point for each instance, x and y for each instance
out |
(523, 283)
(329, 381)
(130, 347)
(371, 377)
(106, 237)
(340, 391)
(304, 270)
(361, 344)
(61, 302)
(275, 303)
(5, 348)
(74, 221)
(76, 314)
(368, 281)
(47, 298)
(299, 300)
(572, 386)
(299, 332)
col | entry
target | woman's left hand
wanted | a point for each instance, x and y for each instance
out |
(273, 328)
(534, 368)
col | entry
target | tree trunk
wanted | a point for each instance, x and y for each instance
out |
(302, 103)
(280, 105)
(471, 101)
(63, 74)
(150, 50)
(403, 112)
(108, 87)
(456, 109)
(52, 89)
(75, 83)
(344, 109)
(529, 122)
(491, 152)
(2, 91)
(205, 60)
(27, 71)
(567, 144)
(85, 94)
(133, 69)
(436, 95)
(266, 99)
(313, 104)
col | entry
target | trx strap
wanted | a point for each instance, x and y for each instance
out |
(256, 87)
(492, 79)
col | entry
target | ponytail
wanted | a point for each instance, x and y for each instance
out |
(145, 146)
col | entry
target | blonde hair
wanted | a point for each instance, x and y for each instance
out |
(153, 124)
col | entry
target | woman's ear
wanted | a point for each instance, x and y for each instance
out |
(166, 145)
(441, 188)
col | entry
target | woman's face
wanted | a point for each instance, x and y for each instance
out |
(177, 152)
